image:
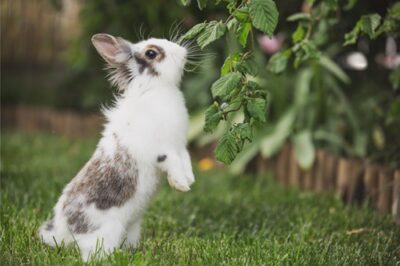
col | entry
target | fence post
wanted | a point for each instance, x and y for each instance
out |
(371, 183)
(396, 197)
(294, 170)
(319, 171)
(385, 191)
(330, 171)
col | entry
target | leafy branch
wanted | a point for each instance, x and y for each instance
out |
(235, 91)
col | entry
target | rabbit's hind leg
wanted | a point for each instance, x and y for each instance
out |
(101, 242)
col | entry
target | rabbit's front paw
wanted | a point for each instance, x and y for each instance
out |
(179, 184)
(190, 178)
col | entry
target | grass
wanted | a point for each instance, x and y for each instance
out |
(224, 220)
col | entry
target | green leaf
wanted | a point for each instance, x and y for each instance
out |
(257, 108)
(304, 149)
(351, 37)
(232, 24)
(369, 24)
(242, 14)
(211, 33)
(243, 131)
(202, 4)
(391, 24)
(299, 16)
(230, 63)
(298, 35)
(248, 66)
(302, 88)
(185, 2)
(227, 148)
(264, 15)
(194, 31)
(242, 33)
(304, 51)
(224, 85)
(272, 142)
(334, 69)
(213, 116)
(243, 158)
(278, 62)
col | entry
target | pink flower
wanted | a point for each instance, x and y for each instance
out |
(270, 45)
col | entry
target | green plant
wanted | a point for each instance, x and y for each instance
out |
(317, 108)
(236, 90)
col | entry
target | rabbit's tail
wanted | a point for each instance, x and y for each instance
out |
(50, 234)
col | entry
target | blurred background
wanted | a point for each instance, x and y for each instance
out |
(333, 128)
(52, 78)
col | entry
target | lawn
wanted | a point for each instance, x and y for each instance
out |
(224, 219)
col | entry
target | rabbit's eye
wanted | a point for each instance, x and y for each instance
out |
(151, 54)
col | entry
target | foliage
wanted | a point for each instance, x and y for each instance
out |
(235, 90)
(259, 99)
(222, 219)
(319, 105)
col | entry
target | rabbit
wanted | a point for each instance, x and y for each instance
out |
(143, 137)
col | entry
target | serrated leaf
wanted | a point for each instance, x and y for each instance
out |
(244, 131)
(202, 4)
(243, 158)
(230, 63)
(369, 24)
(254, 86)
(249, 66)
(211, 33)
(304, 149)
(194, 31)
(264, 15)
(278, 62)
(225, 84)
(257, 108)
(242, 33)
(213, 116)
(227, 148)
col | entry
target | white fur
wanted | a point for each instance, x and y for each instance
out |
(150, 119)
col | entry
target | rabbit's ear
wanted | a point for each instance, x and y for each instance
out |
(114, 50)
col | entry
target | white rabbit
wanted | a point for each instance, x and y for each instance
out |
(145, 134)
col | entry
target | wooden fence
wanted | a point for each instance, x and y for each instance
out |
(355, 181)
(67, 123)
(35, 32)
